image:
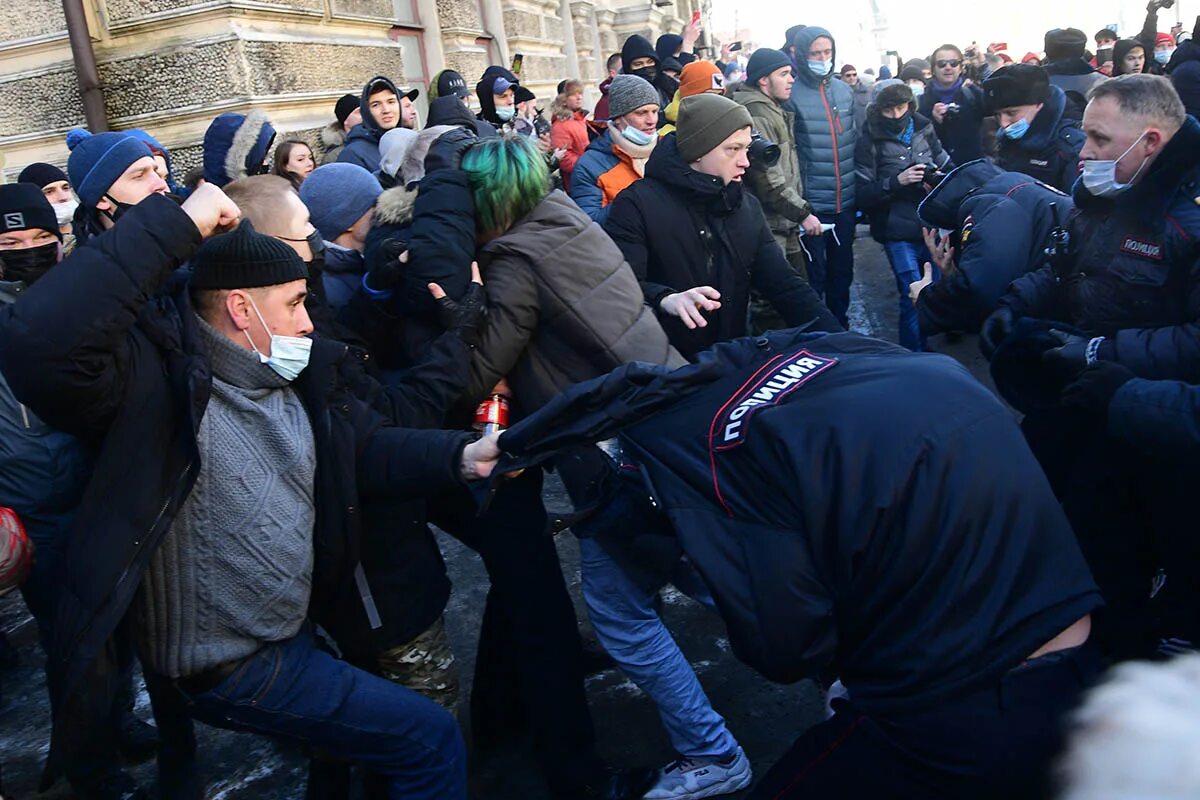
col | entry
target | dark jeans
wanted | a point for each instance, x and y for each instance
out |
(529, 665)
(294, 690)
(831, 268)
(998, 742)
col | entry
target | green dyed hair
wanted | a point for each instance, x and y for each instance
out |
(508, 178)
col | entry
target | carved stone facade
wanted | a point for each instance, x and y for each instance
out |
(170, 66)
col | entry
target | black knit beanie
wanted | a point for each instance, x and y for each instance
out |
(42, 175)
(245, 259)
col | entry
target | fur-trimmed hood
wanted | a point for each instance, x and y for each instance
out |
(395, 207)
(333, 136)
(413, 168)
(235, 145)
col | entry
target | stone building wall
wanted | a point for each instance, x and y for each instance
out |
(170, 66)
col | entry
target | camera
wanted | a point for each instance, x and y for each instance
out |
(1157, 4)
(952, 109)
(763, 153)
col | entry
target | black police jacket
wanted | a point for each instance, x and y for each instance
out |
(1133, 275)
(1049, 150)
(855, 508)
(97, 350)
(1001, 223)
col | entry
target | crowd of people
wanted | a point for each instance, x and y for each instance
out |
(235, 403)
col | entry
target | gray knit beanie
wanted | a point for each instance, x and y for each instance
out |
(705, 121)
(629, 93)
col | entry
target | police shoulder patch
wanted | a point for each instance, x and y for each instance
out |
(767, 387)
(1142, 248)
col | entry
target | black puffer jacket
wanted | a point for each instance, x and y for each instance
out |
(679, 229)
(96, 350)
(1049, 151)
(879, 158)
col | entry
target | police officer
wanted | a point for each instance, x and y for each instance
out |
(999, 225)
(1036, 136)
(1129, 285)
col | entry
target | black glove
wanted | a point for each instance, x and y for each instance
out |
(387, 270)
(464, 317)
(1066, 361)
(1096, 386)
(995, 330)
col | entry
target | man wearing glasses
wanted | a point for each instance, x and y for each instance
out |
(955, 105)
(862, 93)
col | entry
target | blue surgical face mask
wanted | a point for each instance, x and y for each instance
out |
(820, 68)
(918, 89)
(506, 113)
(638, 137)
(289, 354)
(1163, 56)
(1017, 129)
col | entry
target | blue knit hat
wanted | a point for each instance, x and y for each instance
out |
(98, 161)
(337, 195)
(236, 145)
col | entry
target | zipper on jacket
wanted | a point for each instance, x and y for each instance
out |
(25, 415)
(837, 162)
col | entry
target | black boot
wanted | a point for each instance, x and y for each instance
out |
(137, 741)
(111, 785)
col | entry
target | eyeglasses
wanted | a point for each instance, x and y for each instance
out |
(949, 62)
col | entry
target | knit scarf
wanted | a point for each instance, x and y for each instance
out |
(906, 136)
(638, 154)
(946, 95)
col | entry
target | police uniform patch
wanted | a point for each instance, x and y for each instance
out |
(1142, 248)
(777, 379)
(967, 226)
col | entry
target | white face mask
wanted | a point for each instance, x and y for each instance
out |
(65, 211)
(289, 354)
(1100, 177)
(505, 113)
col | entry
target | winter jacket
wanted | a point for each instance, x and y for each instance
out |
(563, 306)
(43, 471)
(343, 274)
(1076, 78)
(1049, 150)
(879, 159)
(235, 146)
(779, 188)
(362, 143)
(834, 540)
(1001, 223)
(99, 352)
(961, 132)
(679, 229)
(451, 111)
(604, 171)
(825, 133)
(1133, 275)
(1184, 69)
(573, 135)
(333, 142)
(1157, 417)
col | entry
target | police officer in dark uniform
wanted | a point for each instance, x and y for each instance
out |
(1128, 287)
(1036, 136)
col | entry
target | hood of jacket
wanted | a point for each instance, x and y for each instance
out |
(667, 166)
(449, 110)
(364, 106)
(484, 90)
(1046, 123)
(333, 136)
(361, 133)
(666, 46)
(1152, 197)
(1123, 48)
(413, 168)
(235, 144)
(635, 47)
(803, 43)
(1187, 51)
(940, 208)
(395, 207)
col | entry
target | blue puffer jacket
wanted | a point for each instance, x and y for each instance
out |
(43, 471)
(824, 111)
(1001, 222)
(1134, 270)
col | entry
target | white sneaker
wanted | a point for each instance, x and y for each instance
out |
(694, 778)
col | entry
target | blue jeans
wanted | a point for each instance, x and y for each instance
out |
(831, 265)
(294, 690)
(627, 624)
(908, 261)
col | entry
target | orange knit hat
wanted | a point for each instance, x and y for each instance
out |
(698, 77)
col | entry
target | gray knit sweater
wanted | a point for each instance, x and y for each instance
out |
(235, 569)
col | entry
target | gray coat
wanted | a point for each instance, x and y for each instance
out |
(825, 132)
(563, 307)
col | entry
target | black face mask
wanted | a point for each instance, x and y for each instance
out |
(649, 74)
(29, 264)
(671, 85)
(896, 126)
(118, 210)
